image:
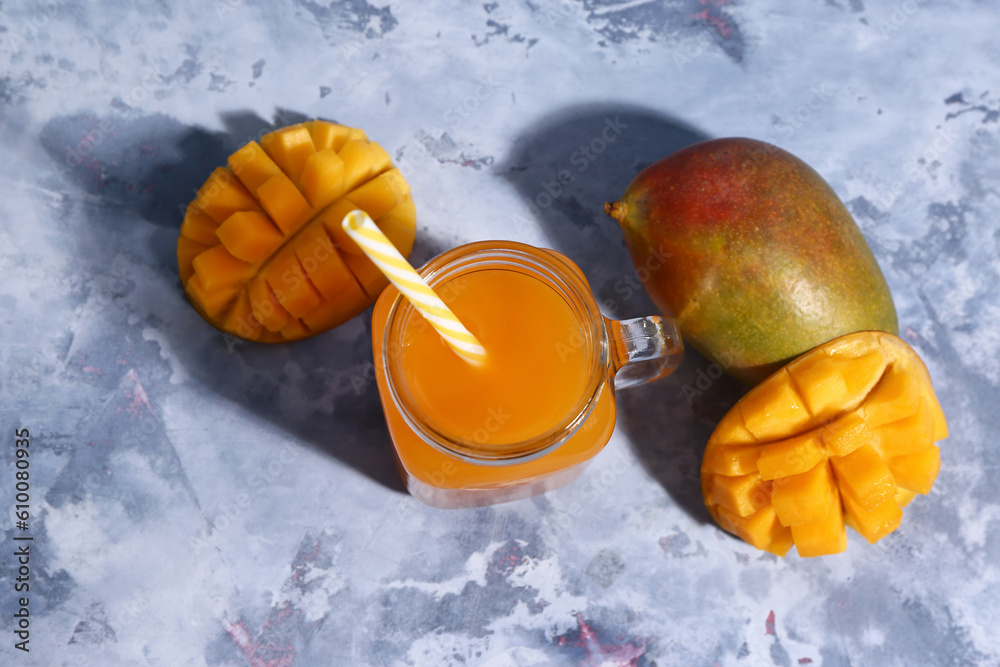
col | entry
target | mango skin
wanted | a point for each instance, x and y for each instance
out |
(753, 253)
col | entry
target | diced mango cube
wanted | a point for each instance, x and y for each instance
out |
(290, 284)
(381, 161)
(917, 471)
(187, 250)
(265, 306)
(904, 496)
(759, 529)
(773, 409)
(222, 195)
(216, 268)
(322, 179)
(872, 523)
(358, 157)
(907, 435)
(927, 394)
(284, 203)
(400, 225)
(820, 384)
(781, 541)
(846, 433)
(240, 318)
(213, 302)
(741, 495)
(732, 460)
(324, 265)
(250, 236)
(708, 486)
(864, 475)
(289, 147)
(253, 166)
(369, 276)
(806, 497)
(861, 373)
(791, 456)
(294, 330)
(328, 135)
(332, 311)
(897, 395)
(731, 430)
(332, 218)
(937, 414)
(381, 194)
(198, 226)
(823, 537)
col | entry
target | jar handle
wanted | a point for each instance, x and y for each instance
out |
(643, 349)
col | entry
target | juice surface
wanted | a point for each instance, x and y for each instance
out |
(536, 367)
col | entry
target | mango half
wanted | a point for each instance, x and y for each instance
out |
(261, 253)
(752, 252)
(843, 435)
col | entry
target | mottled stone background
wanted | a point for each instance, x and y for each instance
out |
(200, 501)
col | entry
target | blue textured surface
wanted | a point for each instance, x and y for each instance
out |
(197, 500)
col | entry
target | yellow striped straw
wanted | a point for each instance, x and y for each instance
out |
(362, 230)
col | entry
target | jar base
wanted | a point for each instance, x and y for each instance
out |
(473, 497)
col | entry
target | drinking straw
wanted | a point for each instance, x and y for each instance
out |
(379, 249)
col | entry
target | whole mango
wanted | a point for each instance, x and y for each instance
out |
(752, 252)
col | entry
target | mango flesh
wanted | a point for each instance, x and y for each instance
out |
(261, 253)
(842, 436)
(753, 253)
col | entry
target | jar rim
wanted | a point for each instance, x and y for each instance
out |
(558, 273)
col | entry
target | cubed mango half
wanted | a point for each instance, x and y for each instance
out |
(842, 436)
(261, 254)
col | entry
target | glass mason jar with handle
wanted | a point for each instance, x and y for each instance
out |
(532, 416)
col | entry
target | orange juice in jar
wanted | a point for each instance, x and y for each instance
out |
(540, 406)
